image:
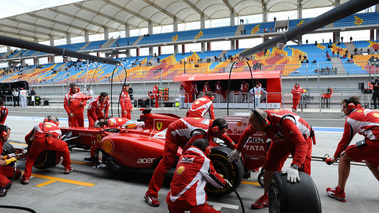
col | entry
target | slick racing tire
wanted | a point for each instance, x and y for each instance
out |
(7, 149)
(287, 197)
(232, 171)
(261, 179)
(46, 159)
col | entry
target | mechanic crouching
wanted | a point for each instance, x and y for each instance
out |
(98, 109)
(187, 188)
(182, 133)
(6, 172)
(290, 134)
(45, 135)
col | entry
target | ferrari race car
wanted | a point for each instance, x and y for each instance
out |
(139, 145)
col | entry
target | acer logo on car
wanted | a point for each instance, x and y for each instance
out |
(145, 160)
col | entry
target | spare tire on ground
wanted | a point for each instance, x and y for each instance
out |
(287, 197)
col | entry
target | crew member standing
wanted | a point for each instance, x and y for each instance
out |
(45, 135)
(219, 90)
(375, 94)
(126, 104)
(182, 133)
(182, 96)
(187, 188)
(194, 91)
(201, 106)
(244, 90)
(206, 87)
(364, 122)
(74, 103)
(296, 92)
(6, 172)
(3, 112)
(156, 95)
(290, 134)
(257, 94)
(98, 109)
(16, 98)
(23, 94)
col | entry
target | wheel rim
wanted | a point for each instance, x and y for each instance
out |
(221, 168)
(274, 202)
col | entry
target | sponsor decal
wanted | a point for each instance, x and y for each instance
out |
(187, 160)
(145, 160)
(180, 170)
(159, 125)
(108, 146)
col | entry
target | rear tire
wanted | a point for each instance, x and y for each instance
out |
(287, 197)
(7, 149)
(232, 171)
(46, 159)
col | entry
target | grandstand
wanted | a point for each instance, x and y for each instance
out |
(335, 59)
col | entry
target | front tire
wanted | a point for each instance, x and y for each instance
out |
(46, 159)
(287, 197)
(233, 171)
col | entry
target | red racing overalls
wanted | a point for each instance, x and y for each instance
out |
(296, 91)
(97, 110)
(200, 107)
(126, 105)
(75, 103)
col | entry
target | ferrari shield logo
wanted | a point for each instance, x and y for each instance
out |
(98, 138)
(159, 125)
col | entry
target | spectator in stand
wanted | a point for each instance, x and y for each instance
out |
(296, 92)
(126, 104)
(156, 95)
(244, 88)
(194, 91)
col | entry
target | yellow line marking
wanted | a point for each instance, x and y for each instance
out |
(46, 183)
(15, 143)
(53, 179)
(250, 183)
(83, 163)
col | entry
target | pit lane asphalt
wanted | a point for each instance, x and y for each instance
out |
(52, 191)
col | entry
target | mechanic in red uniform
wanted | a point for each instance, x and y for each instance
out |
(74, 103)
(296, 92)
(3, 112)
(156, 95)
(98, 109)
(182, 133)
(206, 87)
(201, 106)
(187, 188)
(126, 104)
(45, 135)
(194, 90)
(290, 134)
(220, 91)
(244, 90)
(364, 122)
(6, 172)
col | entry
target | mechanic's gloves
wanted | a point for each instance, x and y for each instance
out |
(234, 155)
(8, 156)
(10, 160)
(292, 175)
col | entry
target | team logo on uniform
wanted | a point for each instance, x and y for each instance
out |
(197, 102)
(180, 170)
(159, 125)
(376, 115)
(119, 120)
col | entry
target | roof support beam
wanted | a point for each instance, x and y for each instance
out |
(196, 9)
(160, 9)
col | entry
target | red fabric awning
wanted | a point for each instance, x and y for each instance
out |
(225, 76)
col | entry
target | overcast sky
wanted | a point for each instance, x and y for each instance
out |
(14, 7)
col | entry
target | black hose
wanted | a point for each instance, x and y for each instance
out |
(18, 207)
(239, 198)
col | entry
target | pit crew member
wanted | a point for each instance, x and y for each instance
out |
(3, 112)
(182, 133)
(290, 134)
(244, 90)
(6, 172)
(206, 87)
(126, 104)
(296, 92)
(194, 90)
(74, 103)
(98, 109)
(257, 93)
(201, 106)
(156, 95)
(187, 188)
(220, 91)
(45, 135)
(364, 122)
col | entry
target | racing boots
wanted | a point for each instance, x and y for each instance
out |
(3, 192)
(336, 193)
(261, 202)
(24, 180)
(68, 170)
(152, 201)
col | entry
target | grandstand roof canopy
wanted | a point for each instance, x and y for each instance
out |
(94, 15)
